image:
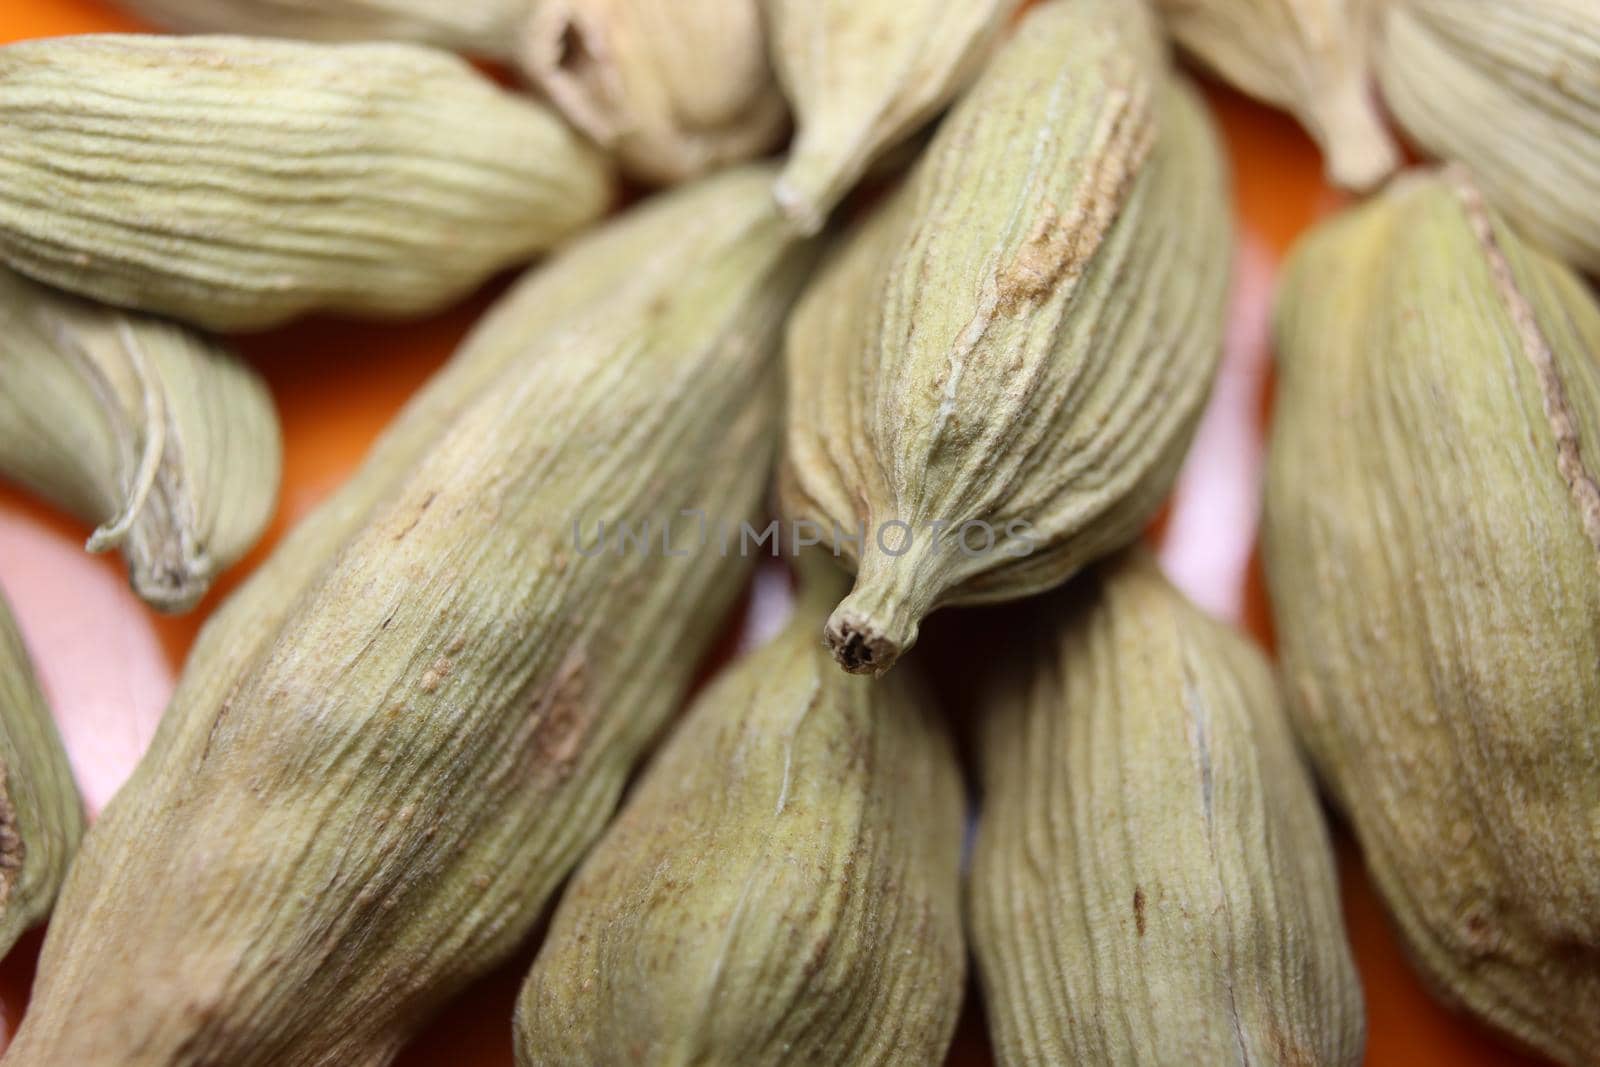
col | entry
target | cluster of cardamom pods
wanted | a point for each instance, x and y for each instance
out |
(952, 349)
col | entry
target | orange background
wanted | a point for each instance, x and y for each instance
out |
(336, 384)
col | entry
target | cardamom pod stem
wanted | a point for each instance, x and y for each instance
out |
(1511, 90)
(997, 378)
(481, 27)
(782, 886)
(154, 433)
(1152, 882)
(673, 88)
(862, 75)
(41, 817)
(1309, 57)
(1432, 540)
(366, 179)
(391, 747)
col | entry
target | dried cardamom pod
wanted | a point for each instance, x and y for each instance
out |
(673, 88)
(1511, 89)
(482, 27)
(1309, 57)
(997, 379)
(862, 75)
(397, 739)
(147, 429)
(1431, 540)
(782, 886)
(235, 182)
(41, 817)
(1152, 882)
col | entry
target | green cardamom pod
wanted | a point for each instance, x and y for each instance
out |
(673, 88)
(1511, 90)
(782, 886)
(863, 75)
(41, 817)
(1152, 882)
(236, 183)
(147, 429)
(396, 740)
(1309, 57)
(482, 27)
(1432, 541)
(997, 379)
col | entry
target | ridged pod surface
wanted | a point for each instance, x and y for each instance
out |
(1152, 882)
(393, 743)
(152, 432)
(673, 88)
(41, 817)
(1432, 538)
(782, 887)
(1511, 90)
(236, 183)
(1309, 57)
(482, 27)
(1023, 338)
(861, 76)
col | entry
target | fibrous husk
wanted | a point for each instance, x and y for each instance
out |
(1022, 339)
(1432, 536)
(235, 182)
(152, 432)
(1152, 883)
(781, 888)
(391, 745)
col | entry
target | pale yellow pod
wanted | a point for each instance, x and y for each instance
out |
(998, 377)
(672, 88)
(1152, 882)
(1510, 89)
(862, 75)
(389, 748)
(1432, 542)
(41, 817)
(152, 432)
(481, 27)
(236, 183)
(782, 887)
(1309, 57)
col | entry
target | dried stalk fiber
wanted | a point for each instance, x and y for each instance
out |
(1432, 535)
(1152, 882)
(1309, 57)
(1511, 89)
(482, 27)
(1023, 338)
(862, 75)
(236, 183)
(41, 817)
(673, 88)
(397, 739)
(782, 887)
(148, 430)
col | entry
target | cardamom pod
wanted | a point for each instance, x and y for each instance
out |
(41, 817)
(481, 27)
(1431, 536)
(1512, 90)
(390, 747)
(997, 379)
(673, 88)
(1152, 882)
(141, 426)
(862, 75)
(782, 886)
(1309, 57)
(236, 183)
